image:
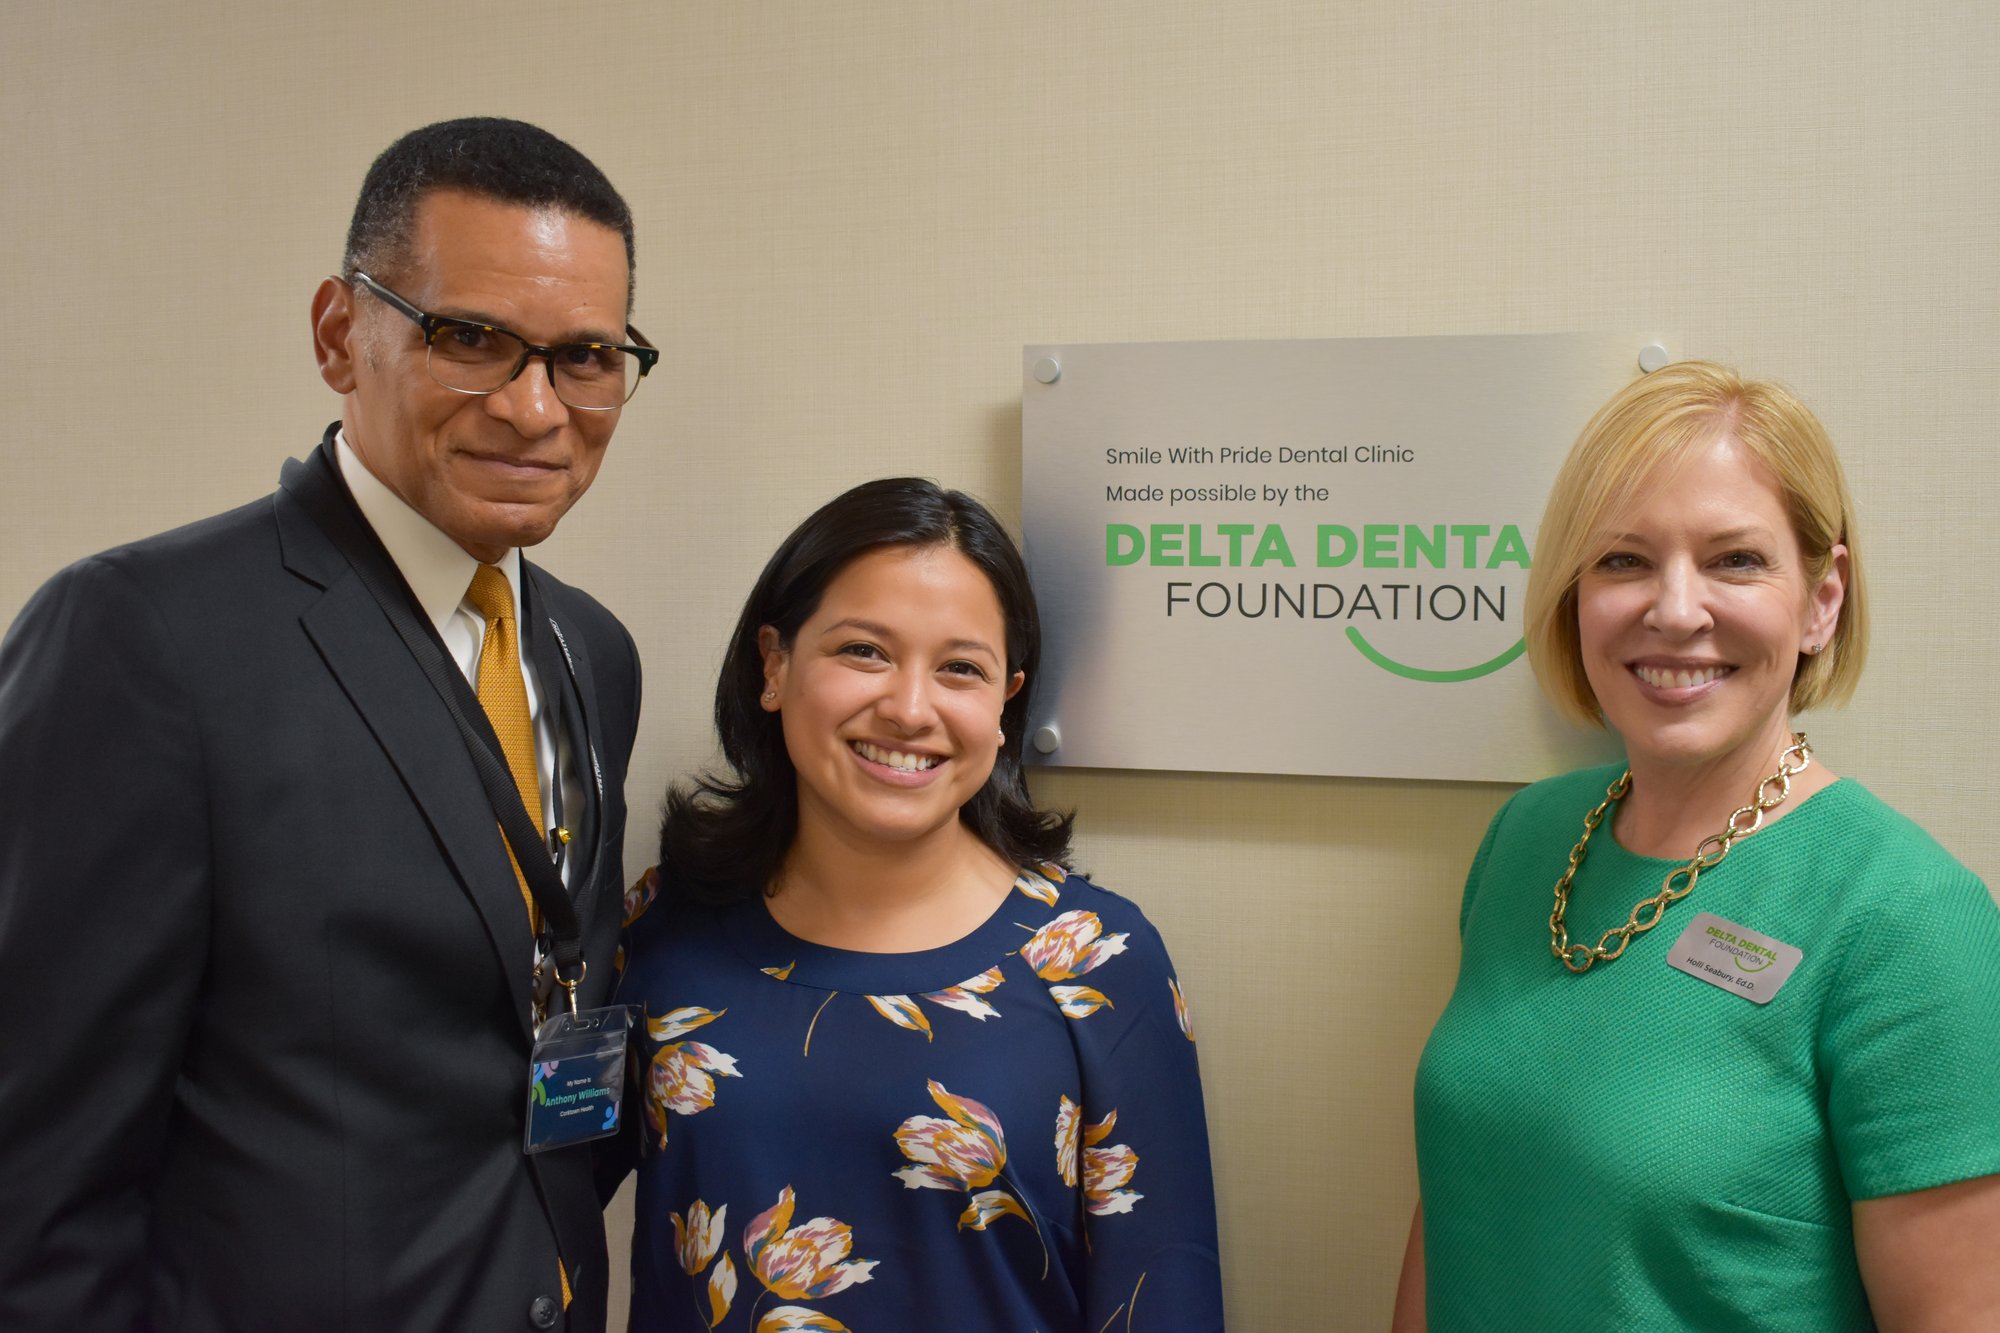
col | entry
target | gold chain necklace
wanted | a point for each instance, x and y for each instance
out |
(1746, 820)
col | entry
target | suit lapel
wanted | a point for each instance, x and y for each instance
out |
(373, 667)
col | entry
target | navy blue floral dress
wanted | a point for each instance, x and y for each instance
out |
(1002, 1134)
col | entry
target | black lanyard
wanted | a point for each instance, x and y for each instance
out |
(318, 488)
(542, 642)
(533, 647)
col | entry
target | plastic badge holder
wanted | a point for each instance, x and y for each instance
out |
(576, 1080)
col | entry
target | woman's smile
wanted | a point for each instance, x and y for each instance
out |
(903, 766)
(1673, 682)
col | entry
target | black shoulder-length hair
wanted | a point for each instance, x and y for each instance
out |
(724, 835)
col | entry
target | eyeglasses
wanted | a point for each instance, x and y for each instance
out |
(466, 356)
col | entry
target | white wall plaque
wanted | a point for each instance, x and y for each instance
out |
(1300, 557)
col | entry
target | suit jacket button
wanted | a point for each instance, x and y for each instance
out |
(543, 1312)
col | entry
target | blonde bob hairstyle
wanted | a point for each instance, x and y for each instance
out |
(1660, 421)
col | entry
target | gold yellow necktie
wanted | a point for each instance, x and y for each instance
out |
(504, 696)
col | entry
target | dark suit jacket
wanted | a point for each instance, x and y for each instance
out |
(263, 960)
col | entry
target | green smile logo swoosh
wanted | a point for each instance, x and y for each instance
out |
(1392, 666)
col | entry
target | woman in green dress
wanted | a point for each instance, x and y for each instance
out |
(1738, 1070)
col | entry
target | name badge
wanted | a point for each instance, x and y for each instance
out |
(1733, 957)
(576, 1078)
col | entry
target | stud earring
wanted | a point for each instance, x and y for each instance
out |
(1813, 651)
(770, 696)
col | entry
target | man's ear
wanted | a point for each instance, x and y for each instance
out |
(334, 334)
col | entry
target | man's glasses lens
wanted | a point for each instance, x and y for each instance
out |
(474, 358)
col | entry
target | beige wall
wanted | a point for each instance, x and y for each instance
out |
(851, 217)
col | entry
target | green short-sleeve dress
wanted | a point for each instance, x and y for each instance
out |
(1634, 1148)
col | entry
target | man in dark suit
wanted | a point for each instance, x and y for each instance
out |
(270, 967)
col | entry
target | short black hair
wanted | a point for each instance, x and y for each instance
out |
(507, 160)
(724, 836)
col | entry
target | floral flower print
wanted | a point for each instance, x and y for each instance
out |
(682, 1076)
(902, 1011)
(1106, 1171)
(1181, 1014)
(963, 1153)
(1079, 1001)
(1042, 887)
(966, 1152)
(804, 1262)
(989, 1204)
(807, 1261)
(1067, 947)
(799, 1319)
(964, 997)
(640, 893)
(681, 1080)
(721, 1290)
(1070, 946)
(961, 1145)
(697, 1236)
(1068, 1118)
(905, 1012)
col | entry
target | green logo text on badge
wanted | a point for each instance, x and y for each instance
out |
(1734, 958)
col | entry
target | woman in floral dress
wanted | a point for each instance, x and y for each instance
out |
(901, 1070)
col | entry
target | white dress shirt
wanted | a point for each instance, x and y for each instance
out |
(439, 572)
